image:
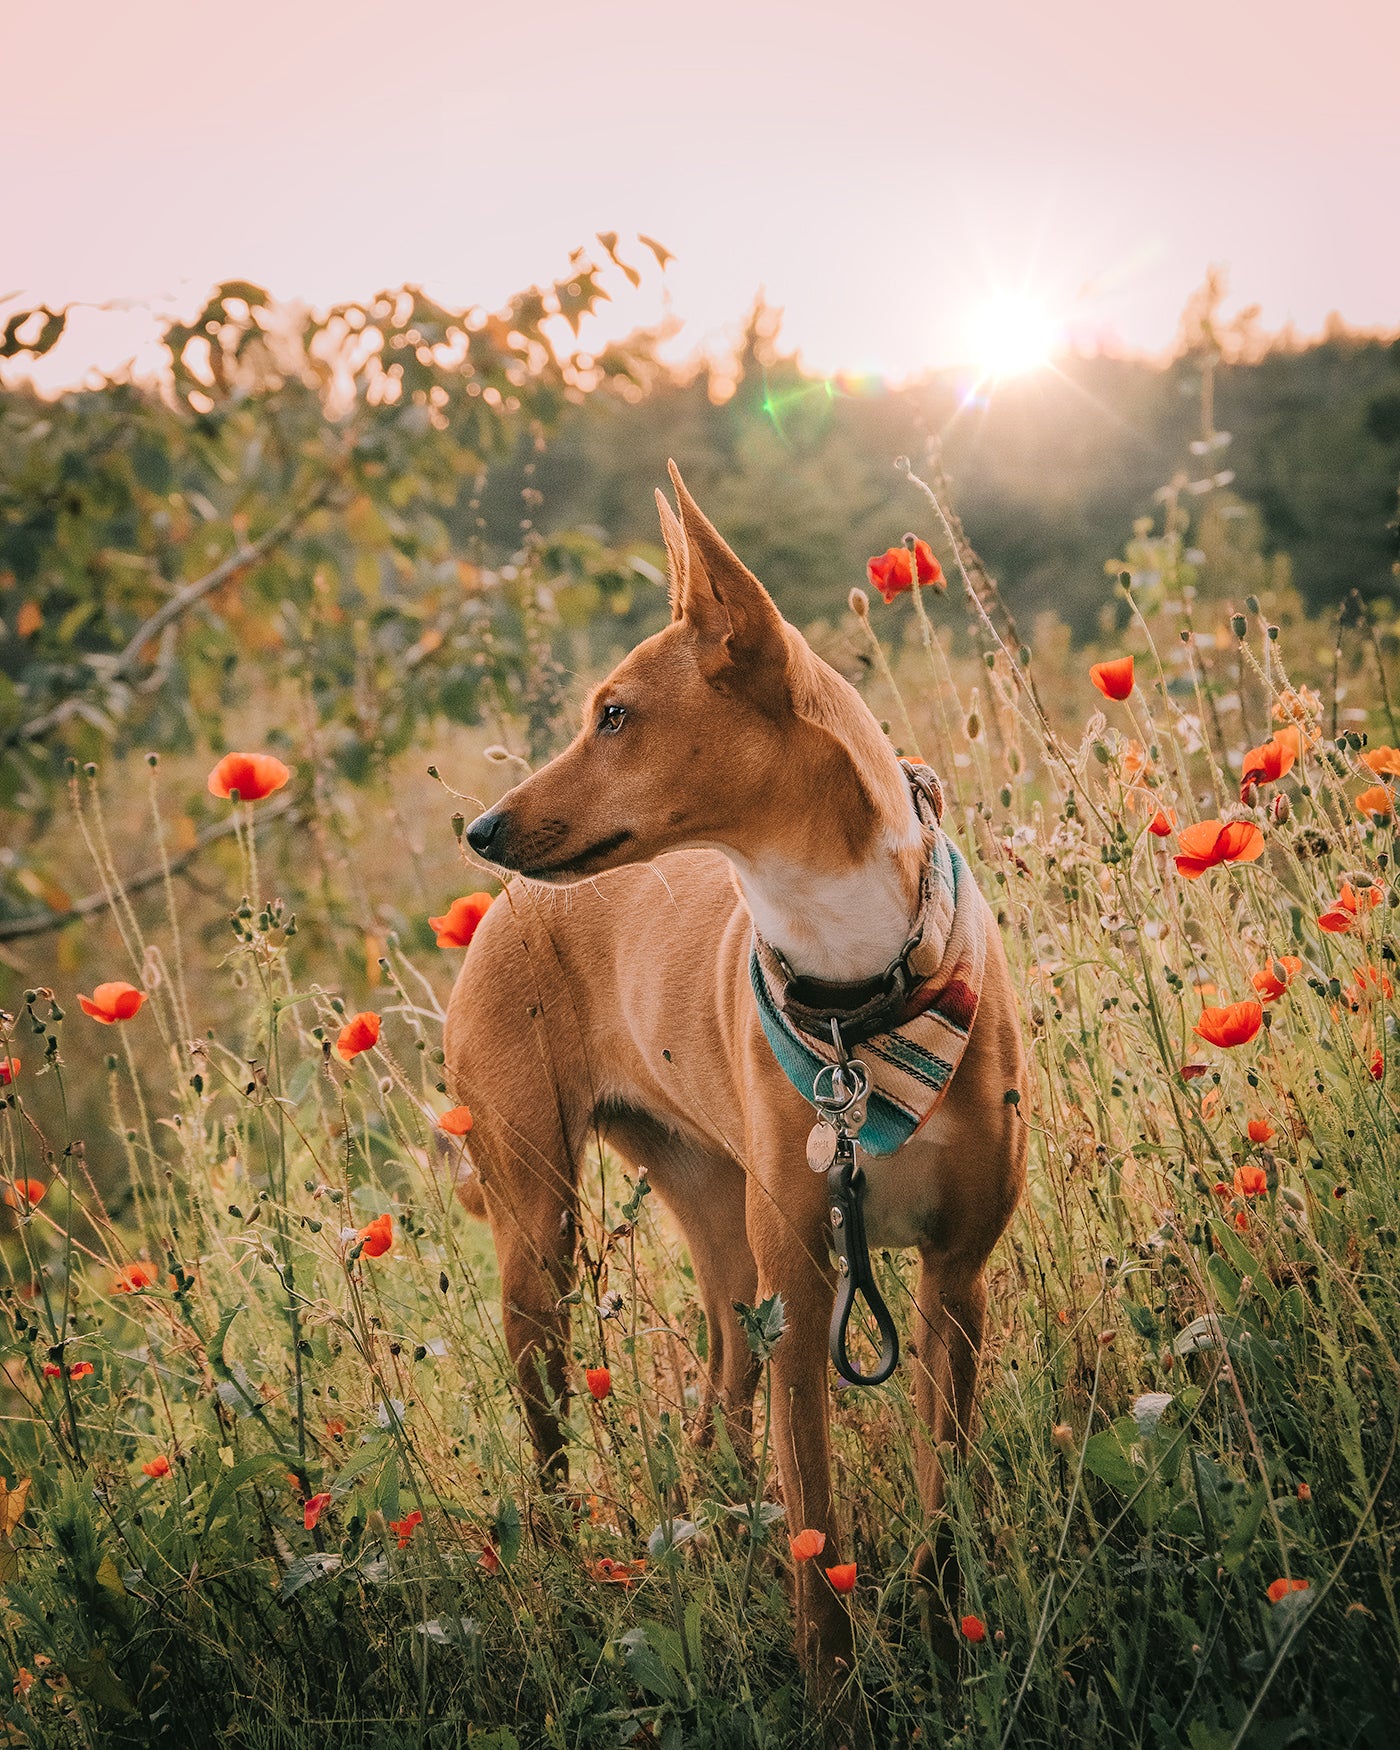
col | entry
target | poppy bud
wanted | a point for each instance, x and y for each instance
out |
(1249, 795)
(859, 603)
(1239, 625)
(973, 726)
(1281, 809)
(1252, 603)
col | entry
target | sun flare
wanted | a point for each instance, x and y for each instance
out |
(1012, 333)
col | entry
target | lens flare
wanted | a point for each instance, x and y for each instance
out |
(1012, 333)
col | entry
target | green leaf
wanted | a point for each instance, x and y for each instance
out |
(1241, 1538)
(96, 1679)
(1106, 1455)
(240, 1474)
(316, 1565)
(505, 1530)
(763, 1325)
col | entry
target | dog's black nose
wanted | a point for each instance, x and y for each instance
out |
(483, 832)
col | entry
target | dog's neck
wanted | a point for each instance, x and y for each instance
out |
(841, 924)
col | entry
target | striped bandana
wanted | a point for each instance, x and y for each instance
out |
(911, 1065)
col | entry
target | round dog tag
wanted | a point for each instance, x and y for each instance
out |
(821, 1146)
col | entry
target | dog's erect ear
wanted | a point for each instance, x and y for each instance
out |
(674, 536)
(738, 627)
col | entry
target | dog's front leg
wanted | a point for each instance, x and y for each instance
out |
(786, 1215)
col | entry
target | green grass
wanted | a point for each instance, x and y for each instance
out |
(1117, 1545)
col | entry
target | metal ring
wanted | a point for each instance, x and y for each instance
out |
(847, 1084)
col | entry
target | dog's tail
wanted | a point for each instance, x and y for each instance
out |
(452, 1154)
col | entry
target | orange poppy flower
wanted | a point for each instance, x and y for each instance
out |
(891, 574)
(9, 1069)
(314, 1508)
(335, 1427)
(973, 1628)
(25, 1193)
(1274, 980)
(253, 775)
(1260, 1130)
(1377, 802)
(112, 1002)
(1251, 1181)
(599, 1381)
(358, 1034)
(1113, 679)
(1383, 761)
(80, 1370)
(1268, 763)
(458, 924)
(1234, 1024)
(1241, 1221)
(1343, 911)
(157, 1467)
(842, 1577)
(1370, 983)
(377, 1236)
(403, 1529)
(806, 1545)
(456, 1122)
(614, 1573)
(131, 1278)
(1377, 1065)
(1163, 823)
(1281, 1588)
(1209, 843)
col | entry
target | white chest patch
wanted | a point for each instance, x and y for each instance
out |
(836, 927)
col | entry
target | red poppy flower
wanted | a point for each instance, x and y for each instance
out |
(599, 1381)
(112, 1002)
(80, 1370)
(335, 1427)
(1304, 1493)
(1383, 761)
(1281, 1588)
(358, 1034)
(1275, 978)
(1241, 1221)
(1211, 842)
(1343, 911)
(806, 1545)
(973, 1628)
(157, 1467)
(1162, 823)
(1377, 802)
(9, 1069)
(253, 775)
(25, 1193)
(1266, 764)
(314, 1508)
(1377, 1065)
(378, 1235)
(890, 572)
(842, 1577)
(614, 1573)
(1234, 1024)
(403, 1529)
(458, 924)
(489, 1560)
(456, 1122)
(52, 1370)
(1191, 1072)
(131, 1278)
(1251, 1181)
(1113, 679)
(1260, 1130)
(1370, 982)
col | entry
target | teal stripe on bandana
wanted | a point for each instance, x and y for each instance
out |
(887, 1126)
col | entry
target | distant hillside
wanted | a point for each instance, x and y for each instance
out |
(1049, 472)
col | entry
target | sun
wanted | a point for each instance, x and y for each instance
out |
(1012, 333)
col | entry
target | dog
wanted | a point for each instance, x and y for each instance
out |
(727, 787)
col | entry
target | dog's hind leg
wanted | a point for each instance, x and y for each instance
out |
(703, 1188)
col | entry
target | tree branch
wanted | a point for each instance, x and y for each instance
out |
(42, 923)
(175, 608)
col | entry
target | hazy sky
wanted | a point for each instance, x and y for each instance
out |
(880, 168)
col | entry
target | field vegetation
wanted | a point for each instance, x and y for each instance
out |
(265, 1478)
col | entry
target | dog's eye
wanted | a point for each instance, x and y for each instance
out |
(612, 719)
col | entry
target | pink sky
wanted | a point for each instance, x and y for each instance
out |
(880, 169)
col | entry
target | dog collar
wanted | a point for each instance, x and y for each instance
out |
(912, 1021)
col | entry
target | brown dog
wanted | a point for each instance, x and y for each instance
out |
(724, 778)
